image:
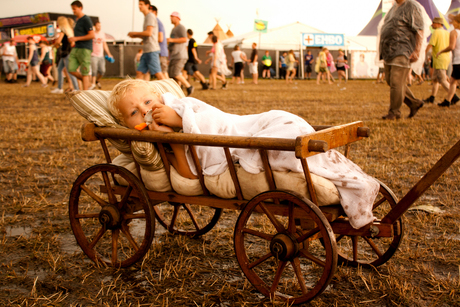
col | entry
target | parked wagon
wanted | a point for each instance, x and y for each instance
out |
(287, 245)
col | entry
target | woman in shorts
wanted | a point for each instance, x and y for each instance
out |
(238, 59)
(290, 69)
(33, 64)
(342, 63)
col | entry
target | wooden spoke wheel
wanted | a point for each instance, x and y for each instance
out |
(187, 219)
(278, 250)
(113, 224)
(368, 251)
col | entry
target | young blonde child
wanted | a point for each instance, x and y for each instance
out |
(130, 101)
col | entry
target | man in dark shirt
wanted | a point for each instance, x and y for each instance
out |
(400, 42)
(80, 56)
(191, 65)
(253, 62)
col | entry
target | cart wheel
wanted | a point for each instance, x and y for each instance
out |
(113, 224)
(372, 252)
(280, 258)
(187, 219)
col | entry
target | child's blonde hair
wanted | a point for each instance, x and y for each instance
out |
(121, 90)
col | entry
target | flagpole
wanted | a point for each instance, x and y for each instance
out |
(132, 27)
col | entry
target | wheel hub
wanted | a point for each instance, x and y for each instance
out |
(283, 247)
(109, 216)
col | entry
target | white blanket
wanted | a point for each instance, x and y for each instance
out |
(357, 189)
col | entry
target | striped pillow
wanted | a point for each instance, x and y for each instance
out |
(92, 105)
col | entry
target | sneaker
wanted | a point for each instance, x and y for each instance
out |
(190, 90)
(445, 103)
(57, 91)
(204, 85)
(44, 85)
(429, 100)
(454, 100)
(92, 87)
(224, 86)
(99, 86)
(414, 111)
(391, 116)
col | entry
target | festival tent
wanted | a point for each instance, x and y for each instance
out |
(217, 32)
(454, 8)
(289, 37)
(229, 32)
(430, 8)
(371, 27)
(282, 38)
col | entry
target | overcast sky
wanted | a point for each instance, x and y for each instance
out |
(347, 17)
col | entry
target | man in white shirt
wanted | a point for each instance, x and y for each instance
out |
(97, 56)
(10, 61)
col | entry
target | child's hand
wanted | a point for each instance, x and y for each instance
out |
(155, 127)
(165, 115)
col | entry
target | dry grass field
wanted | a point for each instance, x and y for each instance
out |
(41, 154)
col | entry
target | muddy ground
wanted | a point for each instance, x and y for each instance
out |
(41, 154)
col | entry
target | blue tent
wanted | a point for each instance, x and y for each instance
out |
(454, 8)
(430, 8)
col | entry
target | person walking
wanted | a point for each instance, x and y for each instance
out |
(46, 61)
(454, 46)
(290, 69)
(321, 65)
(309, 59)
(439, 41)
(80, 56)
(342, 64)
(10, 61)
(267, 61)
(63, 50)
(238, 59)
(162, 41)
(150, 60)
(178, 52)
(253, 63)
(219, 68)
(191, 65)
(33, 63)
(330, 66)
(283, 65)
(97, 57)
(401, 39)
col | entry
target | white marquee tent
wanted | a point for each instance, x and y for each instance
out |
(290, 37)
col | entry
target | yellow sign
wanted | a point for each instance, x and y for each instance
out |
(260, 25)
(34, 30)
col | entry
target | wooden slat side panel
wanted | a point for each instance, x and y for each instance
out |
(335, 137)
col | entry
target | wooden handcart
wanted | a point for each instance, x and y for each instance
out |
(286, 245)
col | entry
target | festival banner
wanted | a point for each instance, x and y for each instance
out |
(260, 25)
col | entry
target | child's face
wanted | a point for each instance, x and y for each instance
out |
(136, 104)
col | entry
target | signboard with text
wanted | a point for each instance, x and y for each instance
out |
(322, 40)
(46, 30)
